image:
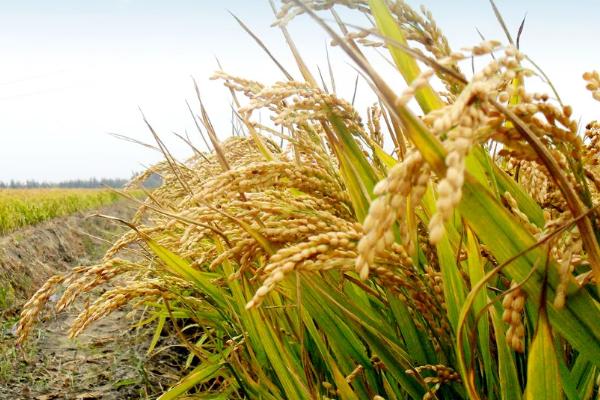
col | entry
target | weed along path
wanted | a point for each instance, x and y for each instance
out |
(106, 361)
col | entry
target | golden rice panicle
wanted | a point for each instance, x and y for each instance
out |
(248, 87)
(593, 83)
(267, 175)
(374, 124)
(113, 300)
(421, 30)
(512, 205)
(514, 304)
(296, 104)
(437, 44)
(442, 374)
(312, 255)
(289, 9)
(35, 305)
(88, 278)
(564, 273)
(461, 122)
(567, 250)
(128, 239)
(355, 372)
(534, 180)
(450, 187)
(426, 311)
(409, 92)
(390, 205)
(591, 154)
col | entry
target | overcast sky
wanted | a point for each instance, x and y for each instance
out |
(71, 71)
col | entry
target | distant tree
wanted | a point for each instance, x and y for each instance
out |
(74, 183)
(152, 182)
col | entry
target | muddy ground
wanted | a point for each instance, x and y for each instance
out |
(107, 361)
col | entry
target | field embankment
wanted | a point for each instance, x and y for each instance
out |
(28, 256)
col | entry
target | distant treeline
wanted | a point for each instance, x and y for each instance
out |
(117, 183)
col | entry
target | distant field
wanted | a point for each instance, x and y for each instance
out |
(23, 207)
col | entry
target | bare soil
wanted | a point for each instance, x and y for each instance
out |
(108, 360)
(31, 255)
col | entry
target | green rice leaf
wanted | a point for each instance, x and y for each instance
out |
(543, 377)
(180, 267)
(427, 98)
(157, 332)
(199, 375)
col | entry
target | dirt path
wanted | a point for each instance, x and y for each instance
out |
(107, 361)
(102, 363)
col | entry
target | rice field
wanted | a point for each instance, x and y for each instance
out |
(301, 259)
(24, 207)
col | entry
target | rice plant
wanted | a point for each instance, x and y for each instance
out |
(24, 207)
(302, 260)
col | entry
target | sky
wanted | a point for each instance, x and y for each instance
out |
(73, 71)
